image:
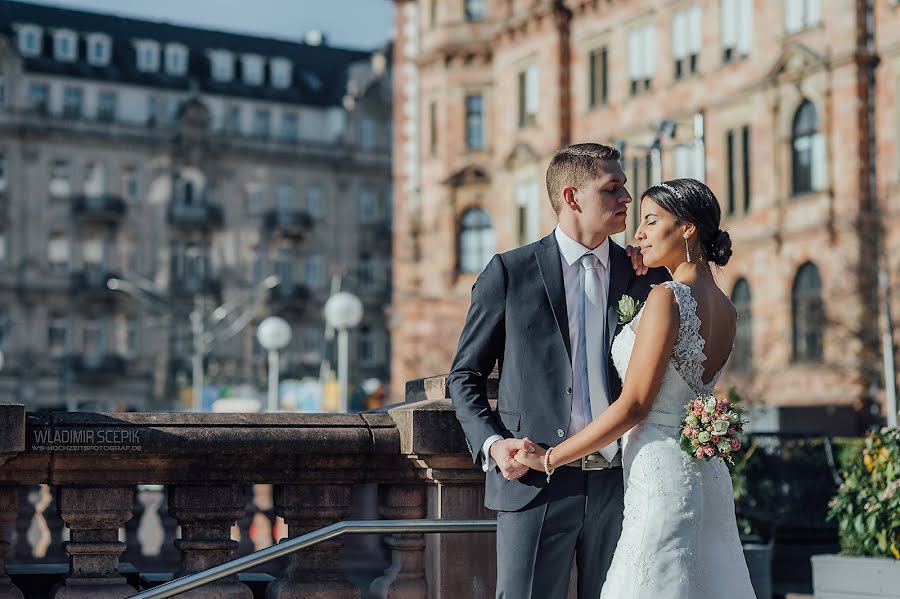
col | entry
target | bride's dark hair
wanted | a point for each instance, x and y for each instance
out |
(691, 201)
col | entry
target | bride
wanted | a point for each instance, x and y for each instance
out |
(679, 538)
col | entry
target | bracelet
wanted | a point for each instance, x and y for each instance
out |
(546, 460)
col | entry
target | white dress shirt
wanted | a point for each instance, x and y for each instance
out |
(570, 253)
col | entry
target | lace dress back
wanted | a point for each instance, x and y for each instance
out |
(679, 536)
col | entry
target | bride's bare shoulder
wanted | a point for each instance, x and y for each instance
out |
(662, 305)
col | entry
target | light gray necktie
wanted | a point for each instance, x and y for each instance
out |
(595, 354)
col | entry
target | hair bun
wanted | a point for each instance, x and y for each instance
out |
(718, 249)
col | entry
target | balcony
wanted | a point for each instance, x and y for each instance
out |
(191, 286)
(199, 215)
(290, 223)
(207, 472)
(289, 297)
(95, 369)
(105, 208)
(90, 283)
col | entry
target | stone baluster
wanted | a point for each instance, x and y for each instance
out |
(9, 509)
(405, 578)
(314, 571)
(206, 515)
(94, 516)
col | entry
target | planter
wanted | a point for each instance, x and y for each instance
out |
(759, 563)
(841, 577)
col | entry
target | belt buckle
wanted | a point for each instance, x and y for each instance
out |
(595, 461)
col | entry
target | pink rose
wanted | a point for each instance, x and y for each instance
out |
(687, 432)
(699, 453)
(735, 444)
(709, 429)
(709, 451)
(730, 431)
(698, 405)
(698, 411)
(695, 442)
(715, 438)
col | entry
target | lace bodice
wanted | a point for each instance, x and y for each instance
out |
(684, 376)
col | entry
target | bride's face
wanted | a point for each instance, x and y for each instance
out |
(660, 236)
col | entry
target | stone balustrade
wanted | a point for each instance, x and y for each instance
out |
(209, 465)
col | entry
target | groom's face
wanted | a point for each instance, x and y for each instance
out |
(603, 200)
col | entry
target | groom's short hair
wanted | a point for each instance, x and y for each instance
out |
(575, 164)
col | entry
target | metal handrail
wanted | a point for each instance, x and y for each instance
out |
(192, 581)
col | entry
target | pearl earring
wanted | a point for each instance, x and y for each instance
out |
(687, 248)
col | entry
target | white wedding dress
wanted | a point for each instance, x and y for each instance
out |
(679, 537)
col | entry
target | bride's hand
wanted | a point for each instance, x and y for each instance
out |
(533, 459)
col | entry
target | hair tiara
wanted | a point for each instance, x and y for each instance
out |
(671, 189)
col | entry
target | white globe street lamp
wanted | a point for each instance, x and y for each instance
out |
(274, 334)
(343, 311)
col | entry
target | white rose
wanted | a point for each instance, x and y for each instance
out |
(720, 427)
(733, 417)
(703, 437)
(693, 420)
(709, 406)
(724, 446)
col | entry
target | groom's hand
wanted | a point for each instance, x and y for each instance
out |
(637, 259)
(504, 453)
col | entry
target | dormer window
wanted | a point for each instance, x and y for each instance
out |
(252, 69)
(30, 37)
(221, 65)
(65, 46)
(281, 72)
(98, 49)
(147, 55)
(176, 59)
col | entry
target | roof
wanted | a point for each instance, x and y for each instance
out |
(319, 72)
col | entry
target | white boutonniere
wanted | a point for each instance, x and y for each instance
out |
(628, 309)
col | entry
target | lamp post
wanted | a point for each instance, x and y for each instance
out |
(343, 311)
(204, 330)
(274, 334)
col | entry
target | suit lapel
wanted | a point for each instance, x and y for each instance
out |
(550, 266)
(620, 276)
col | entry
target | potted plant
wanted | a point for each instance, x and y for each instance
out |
(867, 510)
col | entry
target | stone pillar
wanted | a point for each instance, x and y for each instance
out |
(94, 516)
(9, 509)
(457, 493)
(315, 572)
(456, 564)
(405, 578)
(206, 515)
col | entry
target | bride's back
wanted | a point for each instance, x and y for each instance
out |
(718, 324)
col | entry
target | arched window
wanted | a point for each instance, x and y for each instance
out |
(742, 356)
(476, 240)
(187, 193)
(366, 347)
(808, 314)
(808, 150)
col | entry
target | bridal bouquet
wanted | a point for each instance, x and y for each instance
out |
(711, 428)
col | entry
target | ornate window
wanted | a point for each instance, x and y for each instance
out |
(476, 240)
(742, 356)
(807, 150)
(808, 314)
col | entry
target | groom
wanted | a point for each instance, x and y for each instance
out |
(547, 313)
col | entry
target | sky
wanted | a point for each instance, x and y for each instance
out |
(363, 24)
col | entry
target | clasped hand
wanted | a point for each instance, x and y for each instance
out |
(515, 456)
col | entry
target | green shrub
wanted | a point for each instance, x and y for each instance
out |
(867, 504)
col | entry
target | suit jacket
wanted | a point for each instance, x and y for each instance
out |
(518, 319)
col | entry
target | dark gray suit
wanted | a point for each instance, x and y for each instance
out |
(518, 318)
